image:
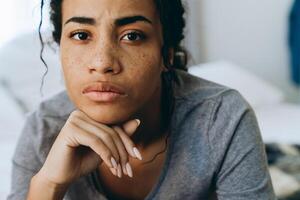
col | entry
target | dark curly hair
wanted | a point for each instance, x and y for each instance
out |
(171, 13)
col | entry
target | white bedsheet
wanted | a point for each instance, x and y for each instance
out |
(11, 122)
(280, 123)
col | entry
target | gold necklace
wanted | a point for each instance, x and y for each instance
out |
(160, 152)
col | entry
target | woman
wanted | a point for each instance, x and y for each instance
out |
(130, 125)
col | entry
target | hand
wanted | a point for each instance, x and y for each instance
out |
(83, 144)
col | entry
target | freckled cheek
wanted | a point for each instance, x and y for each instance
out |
(72, 71)
(143, 71)
(73, 57)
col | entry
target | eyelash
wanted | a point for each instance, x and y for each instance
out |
(77, 33)
(140, 35)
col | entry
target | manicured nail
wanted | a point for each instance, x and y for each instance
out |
(138, 122)
(129, 170)
(124, 170)
(114, 163)
(119, 171)
(137, 153)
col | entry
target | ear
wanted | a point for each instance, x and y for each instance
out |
(170, 57)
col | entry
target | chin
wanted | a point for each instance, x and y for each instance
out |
(107, 115)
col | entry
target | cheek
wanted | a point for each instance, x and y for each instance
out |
(143, 61)
(72, 60)
(143, 70)
(71, 57)
(71, 65)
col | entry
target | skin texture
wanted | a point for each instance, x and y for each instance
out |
(81, 147)
(108, 56)
(100, 50)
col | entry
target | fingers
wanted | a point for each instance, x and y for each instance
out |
(122, 157)
(114, 138)
(129, 145)
(111, 139)
(83, 116)
(128, 129)
(104, 136)
(131, 126)
(81, 137)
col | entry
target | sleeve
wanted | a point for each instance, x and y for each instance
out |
(25, 163)
(242, 169)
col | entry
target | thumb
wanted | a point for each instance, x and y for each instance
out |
(131, 126)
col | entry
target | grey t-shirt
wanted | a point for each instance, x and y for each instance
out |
(215, 148)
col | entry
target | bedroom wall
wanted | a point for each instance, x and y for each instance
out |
(250, 33)
(19, 16)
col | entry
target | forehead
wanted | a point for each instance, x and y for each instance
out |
(109, 9)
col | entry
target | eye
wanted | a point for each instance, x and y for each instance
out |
(80, 36)
(134, 36)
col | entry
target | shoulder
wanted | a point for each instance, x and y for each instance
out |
(195, 92)
(50, 115)
(41, 128)
(211, 117)
(58, 105)
(208, 110)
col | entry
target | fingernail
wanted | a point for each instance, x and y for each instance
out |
(124, 170)
(113, 162)
(129, 170)
(137, 153)
(119, 171)
(113, 171)
(138, 121)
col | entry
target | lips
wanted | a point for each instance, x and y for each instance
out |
(103, 87)
(103, 92)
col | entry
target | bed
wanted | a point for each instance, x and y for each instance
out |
(278, 119)
(19, 94)
(21, 73)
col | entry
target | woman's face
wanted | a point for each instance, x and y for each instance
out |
(113, 46)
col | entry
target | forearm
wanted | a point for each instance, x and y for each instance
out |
(40, 188)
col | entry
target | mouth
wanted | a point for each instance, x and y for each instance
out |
(103, 92)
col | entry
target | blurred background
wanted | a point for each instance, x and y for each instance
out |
(249, 45)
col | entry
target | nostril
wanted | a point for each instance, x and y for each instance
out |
(105, 70)
(110, 69)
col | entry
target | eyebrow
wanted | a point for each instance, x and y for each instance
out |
(118, 22)
(81, 20)
(131, 19)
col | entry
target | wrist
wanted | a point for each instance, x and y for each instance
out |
(42, 188)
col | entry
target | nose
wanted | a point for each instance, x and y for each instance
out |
(103, 60)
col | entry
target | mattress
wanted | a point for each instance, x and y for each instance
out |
(280, 123)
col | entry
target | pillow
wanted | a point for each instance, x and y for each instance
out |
(280, 123)
(11, 123)
(256, 91)
(21, 70)
(11, 117)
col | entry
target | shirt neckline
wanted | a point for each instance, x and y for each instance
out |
(165, 168)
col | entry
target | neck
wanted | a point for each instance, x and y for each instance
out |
(156, 115)
(150, 129)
